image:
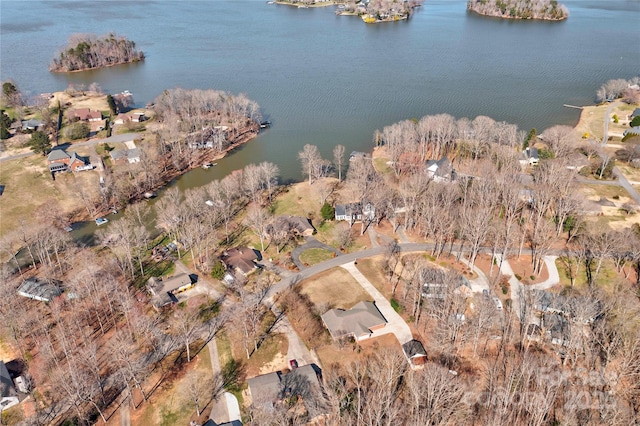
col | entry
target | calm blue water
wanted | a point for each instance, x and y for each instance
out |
(324, 79)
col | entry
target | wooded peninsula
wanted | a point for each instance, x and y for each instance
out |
(87, 51)
(547, 10)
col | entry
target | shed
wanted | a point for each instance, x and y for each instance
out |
(415, 352)
(8, 395)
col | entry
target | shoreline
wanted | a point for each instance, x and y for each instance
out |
(516, 18)
(96, 68)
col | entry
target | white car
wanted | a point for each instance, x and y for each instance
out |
(498, 303)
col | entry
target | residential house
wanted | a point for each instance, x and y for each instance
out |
(529, 157)
(303, 382)
(441, 170)
(8, 395)
(44, 291)
(130, 154)
(415, 353)
(355, 212)
(634, 131)
(133, 117)
(297, 225)
(358, 322)
(439, 283)
(61, 161)
(241, 260)
(97, 126)
(85, 114)
(634, 114)
(577, 309)
(163, 292)
(31, 125)
(577, 161)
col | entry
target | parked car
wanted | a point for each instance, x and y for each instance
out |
(293, 363)
(101, 221)
(498, 303)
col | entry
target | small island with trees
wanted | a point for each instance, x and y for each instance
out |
(371, 12)
(547, 10)
(88, 51)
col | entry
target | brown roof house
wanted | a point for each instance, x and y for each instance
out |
(358, 322)
(163, 291)
(296, 225)
(85, 114)
(241, 260)
(61, 161)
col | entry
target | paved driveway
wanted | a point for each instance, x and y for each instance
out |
(395, 323)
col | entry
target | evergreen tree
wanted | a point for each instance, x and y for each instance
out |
(40, 143)
(5, 123)
(327, 211)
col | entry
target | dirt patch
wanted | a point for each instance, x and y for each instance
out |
(335, 288)
(346, 353)
(522, 266)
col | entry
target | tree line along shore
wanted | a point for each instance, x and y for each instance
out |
(547, 10)
(88, 51)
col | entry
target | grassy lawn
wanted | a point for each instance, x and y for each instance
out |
(630, 173)
(28, 185)
(335, 288)
(607, 191)
(381, 165)
(271, 352)
(605, 278)
(315, 255)
(297, 200)
(373, 269)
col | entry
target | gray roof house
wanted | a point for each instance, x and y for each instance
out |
(163, 291)
(265, 389)
(529, 157)
(358, 322)
(8, 395)
(355, 212)
(44, 291)
(268, 389)
(414, 352)
(241, 260)
(31, 124)
(635, 113)
(441, 170)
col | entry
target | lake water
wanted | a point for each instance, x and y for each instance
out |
(324, 79)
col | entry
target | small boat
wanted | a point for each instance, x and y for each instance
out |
(148, 195)
(68, 228)
(214, 164)
(270, 2)
(265, 124)
(206, 165)
(101, 221)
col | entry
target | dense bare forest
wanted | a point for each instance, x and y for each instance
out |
(87, 51)
(520, 9)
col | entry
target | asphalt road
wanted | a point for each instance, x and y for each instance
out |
(125, 137)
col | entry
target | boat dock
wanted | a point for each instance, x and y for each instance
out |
(572, 106)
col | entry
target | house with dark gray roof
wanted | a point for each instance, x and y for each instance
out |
(61, 161)
(304, 382)
(358, 322)
(44, 291)
(8, 394)
(415, 353)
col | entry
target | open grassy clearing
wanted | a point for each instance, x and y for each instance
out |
(315, 255)
(335, 288)
(373, 269)
(605, 278)
(607, 191)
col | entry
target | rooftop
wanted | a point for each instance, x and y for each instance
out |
(357, 321)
